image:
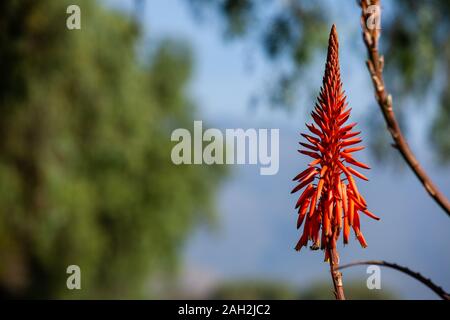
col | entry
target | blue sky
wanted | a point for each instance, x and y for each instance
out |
(257, 221)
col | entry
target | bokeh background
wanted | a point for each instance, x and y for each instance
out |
(85, 170)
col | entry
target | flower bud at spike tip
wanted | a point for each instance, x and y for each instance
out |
(336, 202)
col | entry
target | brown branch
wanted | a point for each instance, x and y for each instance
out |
(435, 288)
(375, 65)
(336, 276)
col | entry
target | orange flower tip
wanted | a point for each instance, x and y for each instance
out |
(314, 162)
(300, 221)
(310, 153)
(370, 214)
(358, 174)
(302, 174)
(301, 185)
(356, 163)
(361, 240)
(354, 149)
(351, 142)
(333, 29)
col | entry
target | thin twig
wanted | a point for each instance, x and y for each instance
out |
(375, 64)
(436, 289)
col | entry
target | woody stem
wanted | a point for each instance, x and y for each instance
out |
(336, 275)
(375, 63)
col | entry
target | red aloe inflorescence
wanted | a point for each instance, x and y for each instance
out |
(333, 203)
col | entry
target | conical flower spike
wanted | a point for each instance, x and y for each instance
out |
(331, 200)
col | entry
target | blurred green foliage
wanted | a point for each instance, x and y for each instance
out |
(354, 290)
(85, 170)
(253, 289)
(415, 41)
(278, 290)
